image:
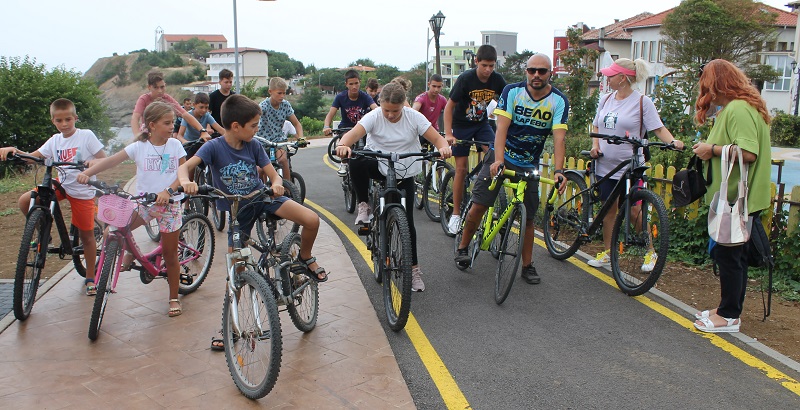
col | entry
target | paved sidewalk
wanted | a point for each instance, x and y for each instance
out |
(144, 359)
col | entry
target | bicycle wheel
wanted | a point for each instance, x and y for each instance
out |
(433, 187)
(332, 150)
(253, 345)
(500, 204)
(195, 252)
(152, 230)
(304, 305)
(446, 205)
(282, 227)
(633, 239)
(397, 272)
(30, 262)
(510, 253)
(218, 217)
(200, 205)
(104, 283)
(78, 248)
(474, 244)
(419, 185)
(300, 183)
(349, 194)
(566, 220)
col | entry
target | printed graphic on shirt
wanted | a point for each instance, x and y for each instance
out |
(479, 101)
(162, 164)
(610, 120)
(67, 155)
(354, 113)
(240, 178)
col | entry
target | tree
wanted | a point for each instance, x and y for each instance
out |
(281, 65)
(25, 104)
(576, 60)
(310, 104)
(196, 48)
(513, 69)
(385, 73)
(363, 61)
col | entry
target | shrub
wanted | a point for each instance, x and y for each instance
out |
(311, 126)
(784, 130)
(178, 77)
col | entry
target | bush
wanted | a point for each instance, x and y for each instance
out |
(311, 126)
(784, 130)
(178, 77)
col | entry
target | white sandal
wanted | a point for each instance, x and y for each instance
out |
(175, 311)
(732, 325)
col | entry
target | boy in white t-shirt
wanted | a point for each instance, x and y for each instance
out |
(70, 145)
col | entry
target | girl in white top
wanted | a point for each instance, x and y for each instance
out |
(157, 158)
(394, 127)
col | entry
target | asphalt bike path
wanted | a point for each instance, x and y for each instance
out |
(574, 341)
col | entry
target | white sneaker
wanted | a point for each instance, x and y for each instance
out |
(364, 213)
(342, 171)
(603, 260)
(416, 280)
(454, 223)
(650, 259)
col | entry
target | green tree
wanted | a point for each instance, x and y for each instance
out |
(310, 104)
(29, 88)
(196, 48)
(363, 61)
(281, 65)
(577, 60)
(385, 73)
(513, 69)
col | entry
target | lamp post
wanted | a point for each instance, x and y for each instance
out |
(427, 53)
(469, 56)
(796, 70)
(436, 23)
(236, 48)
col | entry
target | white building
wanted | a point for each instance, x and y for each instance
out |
(253, 64)
(455, 59)
(167, 41)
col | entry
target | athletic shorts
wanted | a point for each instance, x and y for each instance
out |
(482, 195)
(83, 211)
(481, 132)
(248, 216)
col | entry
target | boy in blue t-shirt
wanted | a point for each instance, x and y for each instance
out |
(354, 104)
(200, 112)
(275, 110)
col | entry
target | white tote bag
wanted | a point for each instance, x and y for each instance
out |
(729, 224)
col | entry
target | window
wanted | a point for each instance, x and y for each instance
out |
(662, 52)
(485, 39)
(635, 50)
(782, 65)
(558, 44)
(643, 51)
(653, 51)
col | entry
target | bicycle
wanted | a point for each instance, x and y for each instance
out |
(117, 208)
(347, 182)
(36, 237)
(389, 237)
(502, 233)
(250, 310)
(202, 175)
(446, 205)
(291, 150)
(429, 183)
(573, 219)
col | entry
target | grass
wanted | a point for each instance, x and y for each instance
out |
(13, 183)
(9, 211)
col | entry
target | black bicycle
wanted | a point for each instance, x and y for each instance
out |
(36, 241)
(429, 184)
(640, 237)
(291, 148)
(347, 182)
(389, 237)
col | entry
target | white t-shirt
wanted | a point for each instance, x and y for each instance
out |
(288, 129)
(83, 145)
(490, 110)
(401, 137)
(156, 166)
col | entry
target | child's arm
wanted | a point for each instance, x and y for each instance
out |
(179, 136)
(374, 106)
(326, 125)
(4, 152)
(100, 166)
(277, 182)
(297, 126)
(186, 169)
(99, 155)
(192, 121)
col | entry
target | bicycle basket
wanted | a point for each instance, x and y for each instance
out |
(115, 211)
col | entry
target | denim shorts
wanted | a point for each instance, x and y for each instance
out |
(481, 132)
(248, 215)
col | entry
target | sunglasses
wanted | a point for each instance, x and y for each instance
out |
(534, 70)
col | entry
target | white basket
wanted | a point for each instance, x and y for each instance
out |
(115, 210)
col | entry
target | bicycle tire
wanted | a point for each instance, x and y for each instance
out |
(30, 262)
(300, 183)
(152, 230)
(419, 186)
(500, 204)
(283, 227)
(446, 202)
(349, 194)
(473, 247)
(510, 253)
(104, 283)
(332, 149)
(567, 219)
(397, 273)
(196, 239)
(433, 189)
(77, 261)
(628, 254)
(218, 217)
(304, 304)
(254, 367)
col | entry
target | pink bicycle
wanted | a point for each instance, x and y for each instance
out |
(116, 208)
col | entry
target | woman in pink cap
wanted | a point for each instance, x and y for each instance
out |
(625, 111)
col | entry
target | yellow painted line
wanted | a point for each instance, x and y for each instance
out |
(327, 161)
(448, 388)
(746, 358)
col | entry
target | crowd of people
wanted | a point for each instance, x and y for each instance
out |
(515, 119)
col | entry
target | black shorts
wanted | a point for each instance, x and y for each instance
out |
(482, 195)
(481, 132)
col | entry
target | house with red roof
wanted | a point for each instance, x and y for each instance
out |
(167, 41)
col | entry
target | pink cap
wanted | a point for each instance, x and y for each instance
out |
(615, 69)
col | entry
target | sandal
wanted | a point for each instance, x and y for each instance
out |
(705, 313)
(306, 270)
(731, 326)
(91, 290)
(175, 311)
(217, 343)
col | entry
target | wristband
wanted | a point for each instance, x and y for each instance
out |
(712, 149)
(559, 171)
(327, 126)
(202, 130)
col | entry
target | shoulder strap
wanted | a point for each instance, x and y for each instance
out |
(606, 100)
(642, 129)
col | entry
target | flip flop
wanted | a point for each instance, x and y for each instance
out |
(707, 325)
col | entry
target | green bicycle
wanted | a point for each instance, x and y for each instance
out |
(503, 233)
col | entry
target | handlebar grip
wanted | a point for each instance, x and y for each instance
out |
(204, 189)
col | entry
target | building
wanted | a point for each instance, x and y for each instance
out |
(640, 37)
(253, 64)
(456, 59)
(167, 41)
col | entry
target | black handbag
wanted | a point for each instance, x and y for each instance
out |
(688, 185)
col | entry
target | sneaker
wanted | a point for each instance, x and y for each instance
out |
(416, 280)
(342, 171)
(462, 257)
(364, 213)
(650, 259)
(603, 260)
(454, 224)
(530, 275)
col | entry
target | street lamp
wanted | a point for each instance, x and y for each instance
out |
(469, 56)
(796, 70)
(436, 22)
(236, 48)
(427, 53)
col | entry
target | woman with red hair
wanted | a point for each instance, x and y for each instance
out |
(743, 121)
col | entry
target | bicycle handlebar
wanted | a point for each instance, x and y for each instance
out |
(340, 131)
(617, 140)
(394, 156)
(49, 161)
(468, 142)
(146, 198)
(214, 193)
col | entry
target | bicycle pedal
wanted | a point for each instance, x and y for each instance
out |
(187, 279)
(363, 230)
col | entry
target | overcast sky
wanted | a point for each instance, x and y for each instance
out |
(325, 33)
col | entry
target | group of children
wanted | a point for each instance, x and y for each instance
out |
(237, 162)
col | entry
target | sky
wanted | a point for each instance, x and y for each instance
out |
(325, 33)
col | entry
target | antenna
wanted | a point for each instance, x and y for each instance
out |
(159, 33)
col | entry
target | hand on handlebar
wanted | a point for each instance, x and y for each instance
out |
(4, 152)
(561, 183)
(343, 151)
(327, 131)
(496, 168)
(595, 153)
(451, 139)
(162, 198)
(190, 188)
(445, 152)
(277, 189)
(678, 144)
(82, 178)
